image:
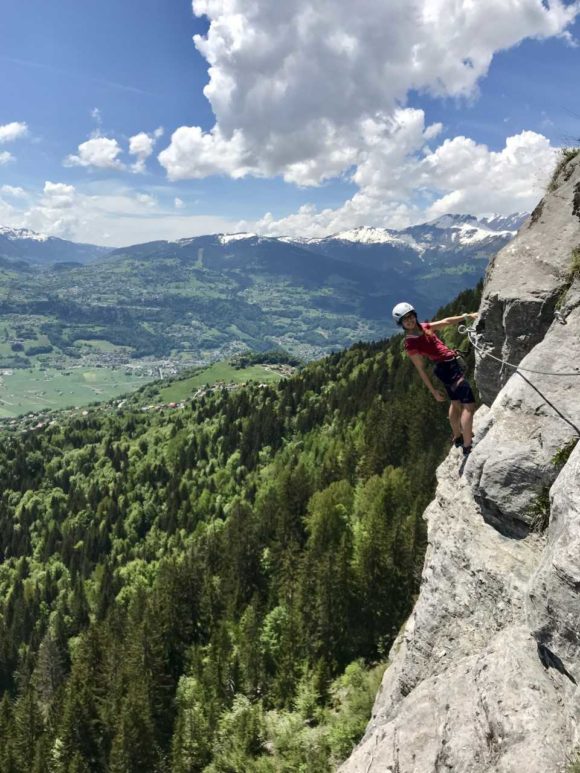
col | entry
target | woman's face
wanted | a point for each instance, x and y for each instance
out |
(409, 321)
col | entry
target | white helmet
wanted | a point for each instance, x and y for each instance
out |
(402, 309)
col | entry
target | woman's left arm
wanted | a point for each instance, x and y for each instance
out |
(438, 324)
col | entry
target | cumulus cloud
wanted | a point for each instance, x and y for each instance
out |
(115, 218)
(13, 191)
(293, 85)
(146, 200)
(54, 212)
(178, 203)
(505, 181)
(12, 131)
(103, 153)
(98, 152)
(58, 195)
(6, 213)
(404, 181)
(8, 133)
(196, 154)
(141, 146)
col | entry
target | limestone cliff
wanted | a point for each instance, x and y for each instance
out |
(483, 678)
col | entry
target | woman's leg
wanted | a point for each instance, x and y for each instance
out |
(455, 417)
(467, 410)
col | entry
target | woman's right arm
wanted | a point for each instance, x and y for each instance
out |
(417, 361)
(438, 324)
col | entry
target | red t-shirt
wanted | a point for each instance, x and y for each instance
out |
(428, 345)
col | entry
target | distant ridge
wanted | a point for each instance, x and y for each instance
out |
(445, 231)
(38, 248)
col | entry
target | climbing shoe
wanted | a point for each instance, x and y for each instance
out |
(466, 450)
(458, 441)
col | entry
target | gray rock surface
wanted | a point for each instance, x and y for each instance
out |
(483, 676)
(554, 593)
(525, 280)
(533, 416)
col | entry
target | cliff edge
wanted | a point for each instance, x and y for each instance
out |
(483, 677)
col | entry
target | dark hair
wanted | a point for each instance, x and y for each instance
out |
(413, 312)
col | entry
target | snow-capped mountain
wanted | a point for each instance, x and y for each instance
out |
(367, 235)
(457, 230)
(18, 234)
(445, 243)
(40, 249)
(448, 241)
(494, 223)
(506, 222)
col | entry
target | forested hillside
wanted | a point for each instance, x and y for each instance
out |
(213, 589)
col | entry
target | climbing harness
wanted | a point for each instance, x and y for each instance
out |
(476, 340)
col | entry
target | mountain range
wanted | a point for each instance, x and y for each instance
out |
(449, 232)
(216, 294)
(33, 247)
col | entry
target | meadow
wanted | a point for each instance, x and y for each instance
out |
(35, 389)
(218, 372)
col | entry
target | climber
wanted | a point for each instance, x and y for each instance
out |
(421, 341)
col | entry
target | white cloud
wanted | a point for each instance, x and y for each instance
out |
(53, 212)
(12, 131)
(479, 180)
(58, 195)
(195, 154)
(141, 145)
(14, 192)
(293, 84)
(5, 157)
(114, 217)
(178, 203)
(458, 176)
(146, 199)
(98, 152)
(6, 213)
(433, 131)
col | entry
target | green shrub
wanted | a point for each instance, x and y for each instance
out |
(563, 454)
(540, 511)
(575, 267)
(574, 766)
(566, 155)
(573, 274)
(540, 508)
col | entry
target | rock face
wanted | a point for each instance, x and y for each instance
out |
(483, 676)
(526, 279)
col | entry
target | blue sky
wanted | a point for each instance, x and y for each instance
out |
(314, 120)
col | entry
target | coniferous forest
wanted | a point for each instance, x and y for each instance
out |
(217, 588)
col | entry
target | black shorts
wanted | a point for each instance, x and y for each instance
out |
(451, 375)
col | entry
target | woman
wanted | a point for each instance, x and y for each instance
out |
(421, 341)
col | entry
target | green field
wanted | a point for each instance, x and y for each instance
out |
(32, 390)
(219, 371)
(101, 345)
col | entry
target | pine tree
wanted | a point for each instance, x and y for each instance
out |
(134, 749)
(192, 737)
(82, 731)
(48, 677)
(326, 595)
(28, 730)
(7, 735)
